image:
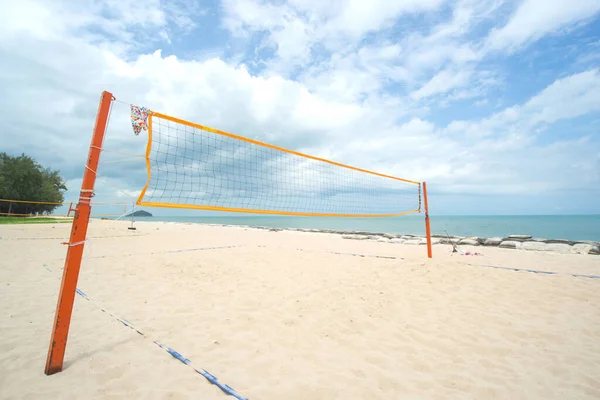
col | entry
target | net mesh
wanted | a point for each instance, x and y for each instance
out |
(196, 167)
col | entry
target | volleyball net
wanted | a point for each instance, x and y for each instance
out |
(191, 166)
(27, 208)
(32, 208)
(197, 167)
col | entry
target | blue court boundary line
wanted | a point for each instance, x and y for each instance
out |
(536, 271)
(186, 361)
(162, 252)
(170, 251)
(339, 253)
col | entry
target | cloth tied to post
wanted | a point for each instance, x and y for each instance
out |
(139, 119)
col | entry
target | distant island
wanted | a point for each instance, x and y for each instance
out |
(140, 213)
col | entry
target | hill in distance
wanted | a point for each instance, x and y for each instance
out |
(140, 213)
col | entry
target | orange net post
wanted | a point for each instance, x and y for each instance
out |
(66, 297)
(70, 209)
(427, 225)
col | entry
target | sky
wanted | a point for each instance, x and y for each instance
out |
(495, 103)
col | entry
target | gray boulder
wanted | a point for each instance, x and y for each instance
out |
(590, 242)
(492, 241)
(397, 240)
(355, 237)
(508, 244)
(534, 246)
(518, 237)
(452, 240)
(469, 242)
(558, 248)
(595, 250)
(559, 241)
(415, 241)
(389, 235)
(581, 248)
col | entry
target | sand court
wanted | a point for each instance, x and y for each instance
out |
(295, 315)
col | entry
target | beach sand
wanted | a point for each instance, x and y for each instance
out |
(294, 315)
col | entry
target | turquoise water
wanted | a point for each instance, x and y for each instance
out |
(570, 227)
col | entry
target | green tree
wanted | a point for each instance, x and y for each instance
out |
(22, 178)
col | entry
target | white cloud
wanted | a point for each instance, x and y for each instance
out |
(534, 19)
(339, 106)
(443, 82)
(357, 17)
(118, 24)
(565, 98)
(295, 29)
(330, 20)
(569, 97)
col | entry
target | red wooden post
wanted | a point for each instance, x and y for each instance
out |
(66, 296)
(427, 226)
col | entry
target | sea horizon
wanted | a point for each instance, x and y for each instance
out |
(572, 227)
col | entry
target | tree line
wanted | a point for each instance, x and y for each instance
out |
(23, 178)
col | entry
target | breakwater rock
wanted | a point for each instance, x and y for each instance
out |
(517, 242)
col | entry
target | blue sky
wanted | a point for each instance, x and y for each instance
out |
(496, 104)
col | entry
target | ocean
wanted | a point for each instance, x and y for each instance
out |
(569, 227)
